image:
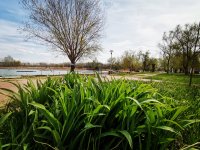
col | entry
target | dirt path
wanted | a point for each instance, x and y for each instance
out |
(129, 77)
(4, 83)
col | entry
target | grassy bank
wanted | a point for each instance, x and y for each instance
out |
(77, 112)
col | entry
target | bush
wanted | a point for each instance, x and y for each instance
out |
(77, 112)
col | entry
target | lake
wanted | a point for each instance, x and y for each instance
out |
(28, 72)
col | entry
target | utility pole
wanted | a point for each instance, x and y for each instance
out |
(111, 51)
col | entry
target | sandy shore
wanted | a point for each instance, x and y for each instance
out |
(5, 83)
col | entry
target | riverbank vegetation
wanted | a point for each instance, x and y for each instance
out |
(78, 112)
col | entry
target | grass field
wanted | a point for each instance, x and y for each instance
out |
(173, 77)
(177, 78)
(77, 112)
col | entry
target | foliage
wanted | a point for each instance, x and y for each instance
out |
(183, 95)
(87, 113)
(130, 61)
(145, 60)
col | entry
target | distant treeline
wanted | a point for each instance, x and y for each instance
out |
(128, 61)
(8, 61)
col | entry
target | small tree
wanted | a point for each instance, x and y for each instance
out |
(167, 47)
(185, 42)
(145, 60)
(195, 49)
(115, 62)
(188, 38)
(153, 63)
(130, 61)
(71, 26)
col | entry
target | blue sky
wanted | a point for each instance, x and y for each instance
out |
(130, 25)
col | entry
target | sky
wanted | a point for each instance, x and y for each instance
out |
(129, 25)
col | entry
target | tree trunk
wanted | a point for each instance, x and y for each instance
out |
(185, 64)
(168, 66)
(153, 67)
(144, 66)
(191, 75)
(72, 66)
(187, 69)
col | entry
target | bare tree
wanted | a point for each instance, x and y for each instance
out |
(188, 38)
(144, 56)
(130, 60)
(195, 51)
(185, 44)
(70, 26)
(167, 48)
(185, 41)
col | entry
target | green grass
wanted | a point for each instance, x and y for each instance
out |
(177, 78)
(182, 94)
(77, 112)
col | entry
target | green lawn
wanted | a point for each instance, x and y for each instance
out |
(180, 78)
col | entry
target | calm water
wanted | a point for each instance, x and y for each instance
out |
(18, 72)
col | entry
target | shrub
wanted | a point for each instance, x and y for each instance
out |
(78, 112)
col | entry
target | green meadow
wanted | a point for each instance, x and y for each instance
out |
(175, 77)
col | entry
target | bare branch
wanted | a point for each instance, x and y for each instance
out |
(73, 26)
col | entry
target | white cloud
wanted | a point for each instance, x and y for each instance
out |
(139, 24)
(130, 25)
(13, 43)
